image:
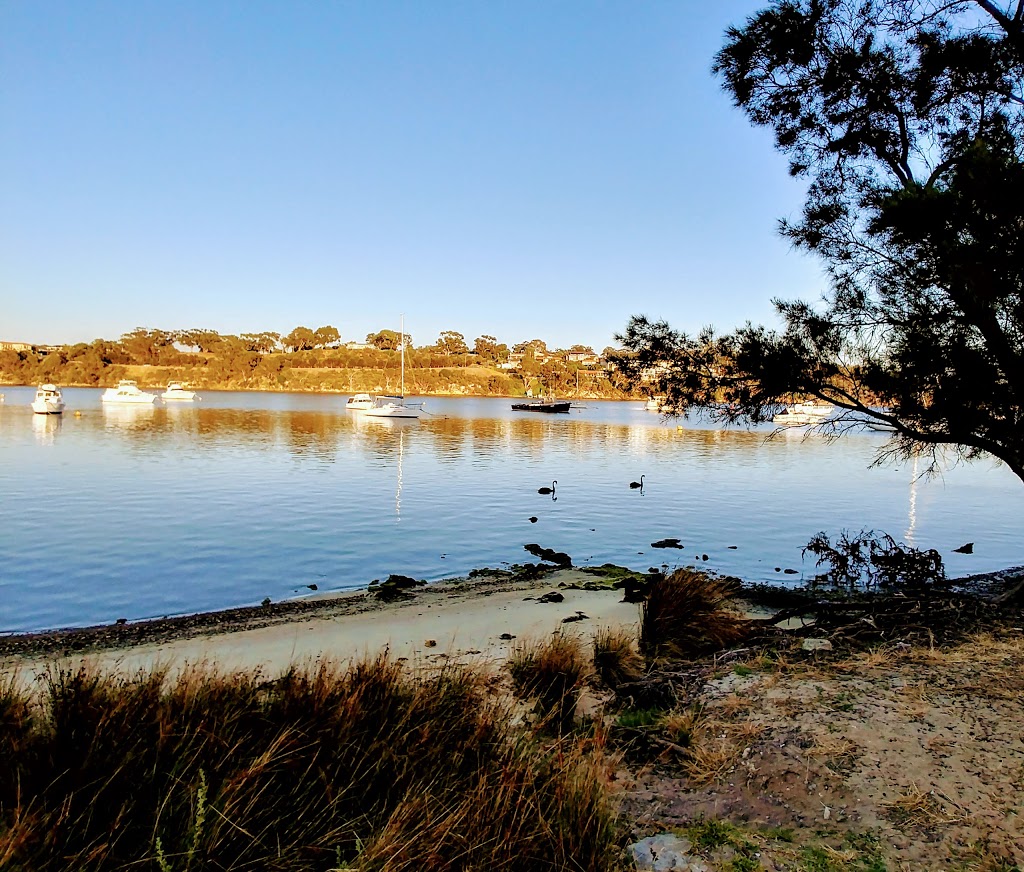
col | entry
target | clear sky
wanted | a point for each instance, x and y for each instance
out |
(525, 169)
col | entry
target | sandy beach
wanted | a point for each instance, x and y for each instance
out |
(480, 619)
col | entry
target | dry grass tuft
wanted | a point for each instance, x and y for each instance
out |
(715, 745)
(837, 753)
(616, 659)
(688, 613)
(209, 770)
(552, 672)
(917, 808)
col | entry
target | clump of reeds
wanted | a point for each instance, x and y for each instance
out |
(689, 613)
(552, 672)
(616, 659)
(367, 767)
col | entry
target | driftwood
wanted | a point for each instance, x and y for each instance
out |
(929, 615)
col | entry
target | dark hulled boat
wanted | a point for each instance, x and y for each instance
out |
(542, 406)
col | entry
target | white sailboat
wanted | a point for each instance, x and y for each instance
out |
(395, 406)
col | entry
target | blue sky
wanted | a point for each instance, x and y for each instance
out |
(525, 169)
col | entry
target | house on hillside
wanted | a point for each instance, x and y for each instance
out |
(584, 358)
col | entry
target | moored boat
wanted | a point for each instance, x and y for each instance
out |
(359, 403)
(395, 405)
(807, 412)
(177, 391)
(542, 406)
(127, 391)
(48, 401)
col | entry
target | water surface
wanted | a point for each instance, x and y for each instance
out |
(151, 511)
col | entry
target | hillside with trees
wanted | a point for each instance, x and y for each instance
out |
(314, 359)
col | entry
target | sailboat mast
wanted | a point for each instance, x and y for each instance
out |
(401, 340)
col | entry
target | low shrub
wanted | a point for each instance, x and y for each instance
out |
(616, 659)
(689, 613)
(552, 672)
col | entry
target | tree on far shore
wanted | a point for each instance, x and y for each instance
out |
(389, 340)
(907, 119)
(451, 342)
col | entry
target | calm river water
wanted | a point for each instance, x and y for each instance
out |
(152, 511)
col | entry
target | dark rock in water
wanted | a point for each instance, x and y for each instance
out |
(404, 581)
(789, 572)
(430, 643)
(506, 637)
(778, 569)
(733, 547)
(579, 616)
(666, 543)
(487, 571)
(122, 621)
(529, 572)
(396, 587)
(559, 558)
(703, 557)
(533, 519)
(312, 587)
(551, 597)
(965, 549)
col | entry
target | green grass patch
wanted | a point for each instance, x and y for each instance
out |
(638, 719)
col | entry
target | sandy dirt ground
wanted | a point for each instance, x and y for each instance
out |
(478, 620)
(911, 758)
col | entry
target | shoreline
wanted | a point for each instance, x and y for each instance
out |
(485, 592)
(477, 616)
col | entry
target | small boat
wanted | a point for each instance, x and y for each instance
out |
(359, 403)
(395, 406)
(127, 391)
(655, 404)
(807, 412)
(542, 405)
(177, 391)
(48, 401)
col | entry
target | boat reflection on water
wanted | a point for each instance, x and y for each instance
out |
(129, 416)
(46, 427)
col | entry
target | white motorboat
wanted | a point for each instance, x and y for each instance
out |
(48, 401)
(800, 414)
(127, 391)
(359, 403)
(655, 404)
(177, 391)
(395, 406)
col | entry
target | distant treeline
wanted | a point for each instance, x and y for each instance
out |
(314, 360)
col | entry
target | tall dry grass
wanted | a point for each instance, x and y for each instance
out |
(616, 659)
(689, 613)
(552, 672)
(367, 767)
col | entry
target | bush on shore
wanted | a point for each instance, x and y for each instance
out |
(688, 613)
(366, 768)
